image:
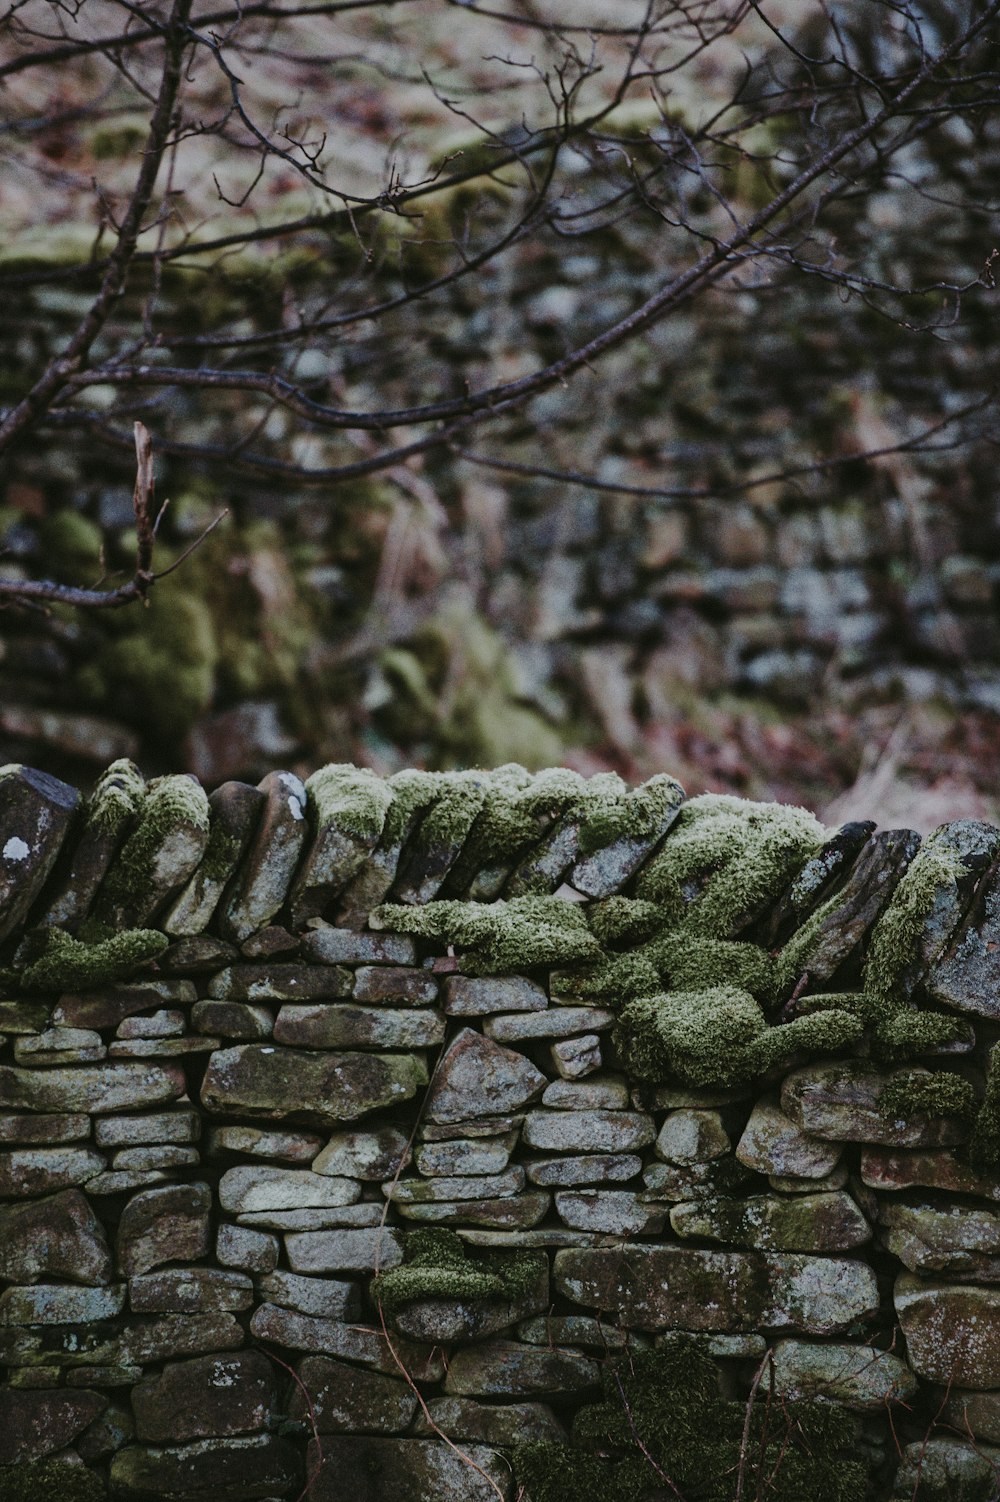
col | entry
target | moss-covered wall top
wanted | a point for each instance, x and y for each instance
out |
(493, 1134)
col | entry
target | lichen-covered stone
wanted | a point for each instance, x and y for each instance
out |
(180, 1125)
(606, 1094)
(332, 1298)
(556, 1022)
(237, 1020)
(166, 1336)
(257, 1142)
(26, 1129)
(976, 1413)
(190, 1290)
(376, 1154)
(484, 995)
(168, 1224)
(316, 1089)
(53, 1238)
(165, 1023)
(403, 985)
(234, 811)
(359, 1343)
(363, 1213)
(33, 1424)
(508, 1369)
(460, 1187)
(477, 1077)
(159, 855)
(326, 1026)
(207, 1397)
(110, 813)
(773, 1144)
(220, 1470)
(109, 1006)
(59, 1045)
(255, 1188)
(502, 1424)
(345, 946)
(60, 1304)
(954, 1239)
(347, 811)
(266, 871)
(842, 1102)
(280, 981)
(967, 975)
(35, 815)
(620, 1212)
(692, 1137)
(518, 1212)
(588, 1131)
(952, 1332)
(245, 1249)
(405, 1470)
(96, 1088)
(366, 1249)
(645, 816)
(945, 1468)
(885, 1169)
(862, 1377)
(475, 1155)
(584, 1168)
(574, 1058)
(346, 1399)
(42, 1170)
(807, 1223)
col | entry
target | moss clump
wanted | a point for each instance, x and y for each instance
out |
(661, 1416)
(353, 798)
(942, 1094)
(170, 802)
(450, 816)
(165, 668)
(686, 961)
(46, 1480)
(437, 1266)
(55, 961)
(894, 947)
(116, 799)
(499, 937)
(984, 1147)
(616, 921)
(905, 1035)
(637, 814)
(518, 807)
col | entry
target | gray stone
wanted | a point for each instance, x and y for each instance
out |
(967, 976)
(481, 996)
(962, 1241)
(162, 1048)
(108, 1433)
(975, 1413)
(170, 1335)
(594, 1095)
(589, 1168)
(54, 1238)
(220, 1470)
(168, 1224)
(201, 954)
(405, 1470)
(841, 1101)
(60, 1304)
(344, 946)
(163, 1024)
(109, 1006)
(59, 1045)
(607, 870)
(359, 1343)
(95, 1088)
(438, 839)
(692, 1137)
(265, 873)
(149, 1159)
(404, 986)
(515, 1213)
(232, 1019)
(41, 1170)
(364, 1214)
(326, 1026)
(369, 1249)
(508, 1369)
(346, 1399)
(376, 1154)
(341, 841)
(884, 1169)
(665, 1287)
(694, 1181)
(862, 1377)
(461, 1187)
(256, 1142)
(190, 1290)
(36, 1424)
(790, 1183)
(461, 1155)
(477, 1077)
(581, 1330)
(502, 1424)
(126, 1180)
(574, 1058)
(207, 1397)
(245, 1249)
(234, 811)
(35, 815)
(550, 861)
(30, 1129)
(773, 1144)
(332, 1298)
(765, 1222)
(617, 1211)
(280, 981)
(182, 1125)
(556, 1022)
(943, 1468)
(269, 941)
(952, 1332)
(251, 1188)
(588, 1131)
(160, 854)
(316, 1089)
(485, 1126)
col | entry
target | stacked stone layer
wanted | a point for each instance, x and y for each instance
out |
(205, 1165)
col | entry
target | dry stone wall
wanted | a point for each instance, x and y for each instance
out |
(489, 1135)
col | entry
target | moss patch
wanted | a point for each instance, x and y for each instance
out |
(55, 961)
(941, 1094)
(895, 939)
(117, 798)
(498, 938)
(49, 1480)
(984, 1147)
(169, 802)
(437, 1266)
(352, 798)
(637, 814)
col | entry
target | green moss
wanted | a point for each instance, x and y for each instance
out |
(615, 921)
(164, 668)
(353, 798)
(942, 1094)
(72, 546)
(412, 792)
(449, 818)
(437, 1265)
(48, 1480)
(894, 944)
(637, 814)
(907, 1034)
(499, 937)
(686, 961)
(170, 802)
(221, 856)
(55, 961)
(116, 799)
(984, 1146)
(517, 809)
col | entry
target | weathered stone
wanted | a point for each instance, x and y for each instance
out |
(234, 811)
(574, 1058)
(581, 1330)
(664, 1287)
(163, 1024)
(367, 1250)
(41, 1170)
(461, 1187)
(366, 1213)
(502, 1424)
(588, 1131)
(884, 1169)
(477, 1077)
(556, 1022)
(790, 1183)
(35, 1424)
(975, 1413)
(967, 976)
(280, 981)
(326, 1026)
(266, 871)
(35, 815)
(862, 1377)
(160, 854)
(692, 1137)
(95, 1088)
(190, 1290)
(962, 1241)
(345, 946)
(404, 986)
(29, 1129)
(21, 1017)
(686, 1098)
(449, 1321)
(232, 1019)
(162, 1048)
(59, 1237)
(60, 1304)
(249, 1188)
(943, 1468)
(608, 869)
(108, 1433)
(362, 1344)
(857, 907)
(168, 1224)
(773, 1144)
(376, 1154)
(59, 1045)
(109, 1006)
(342, 838)
(201, 954)
(552, 1236)
(316, 1089)
(952, 1333)
(589, 1168)
(481, 996)
(126, 1180)
(695, 1181)
(508, 1369)
(207, 1397)
(485, 1126)
(438, 839)
(333, 1298)
(255, 1142)
(841, 1101)
(346, 1399)
(817, 878)
(516, 1213)
(765, 1222)
(618, 1211)
(269, 941)
(245, 1249)
(465, 1155)
(549, 862)
(181, 1125)
(594, 1095)
(405, 1470)
(172, 1335)
(220, 1470)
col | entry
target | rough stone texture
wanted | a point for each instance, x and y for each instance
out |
(556, 1022)
(478, 1077)
(329, 1337)
(807, 1223)
(882, 1168)
(952, 1333)
(266, 874)
(314, 1088)
(343, 946)
(330, 1297)
(97, 1088)
(692, 1137)
(348, 1399)
(491, 1423)
(280, 981)
(960, 1240)
(53, 1238)
(235, 810)
(943, 1468)
(394, 1470)
(593, 1131)
(617, 1211)
(164, 1225)
(35, 815)
(207, 1397)
(841, 1102)
(861, 1377)
(349, 1250)
(34, 1424)
(482, 996)
(449, 1321)
(327, 1026)
(773, 1144)
(507, 1369)
(41, 1170)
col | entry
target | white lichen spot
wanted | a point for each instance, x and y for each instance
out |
(267, 1050)
(15, 849)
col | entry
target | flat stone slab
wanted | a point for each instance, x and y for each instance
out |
(280, 981)
(207, 1397)
(358, 1343)
(405, 1470)
(884, 1169)
(220, 1470)
(460, 1187)
(376, 1154)
(588, 1131)
(165, 1224)
(585, 1168)
(35, 815)
(365, 1249)
(266, 873)
(860, 1376)
(464, 1155)
(617, 1211)
(662, 1288)
(358, 1027)
(841, 1101)
(323, 1089)
(508, 1369)
(95, 1088)
(55, 1238)
(190, 1290)
(482, 996)
(251, 1188)
(967, 976)
(345, 1399)
(556, 1022)
(478, 1077)
(257, 1142)
(952, 1333)
(331, 1298)
(60, 1304)
(345, 946)
(42, 1170)
(770, 1222)
(35, 1424)
(961, 1241)
(519, 1212)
